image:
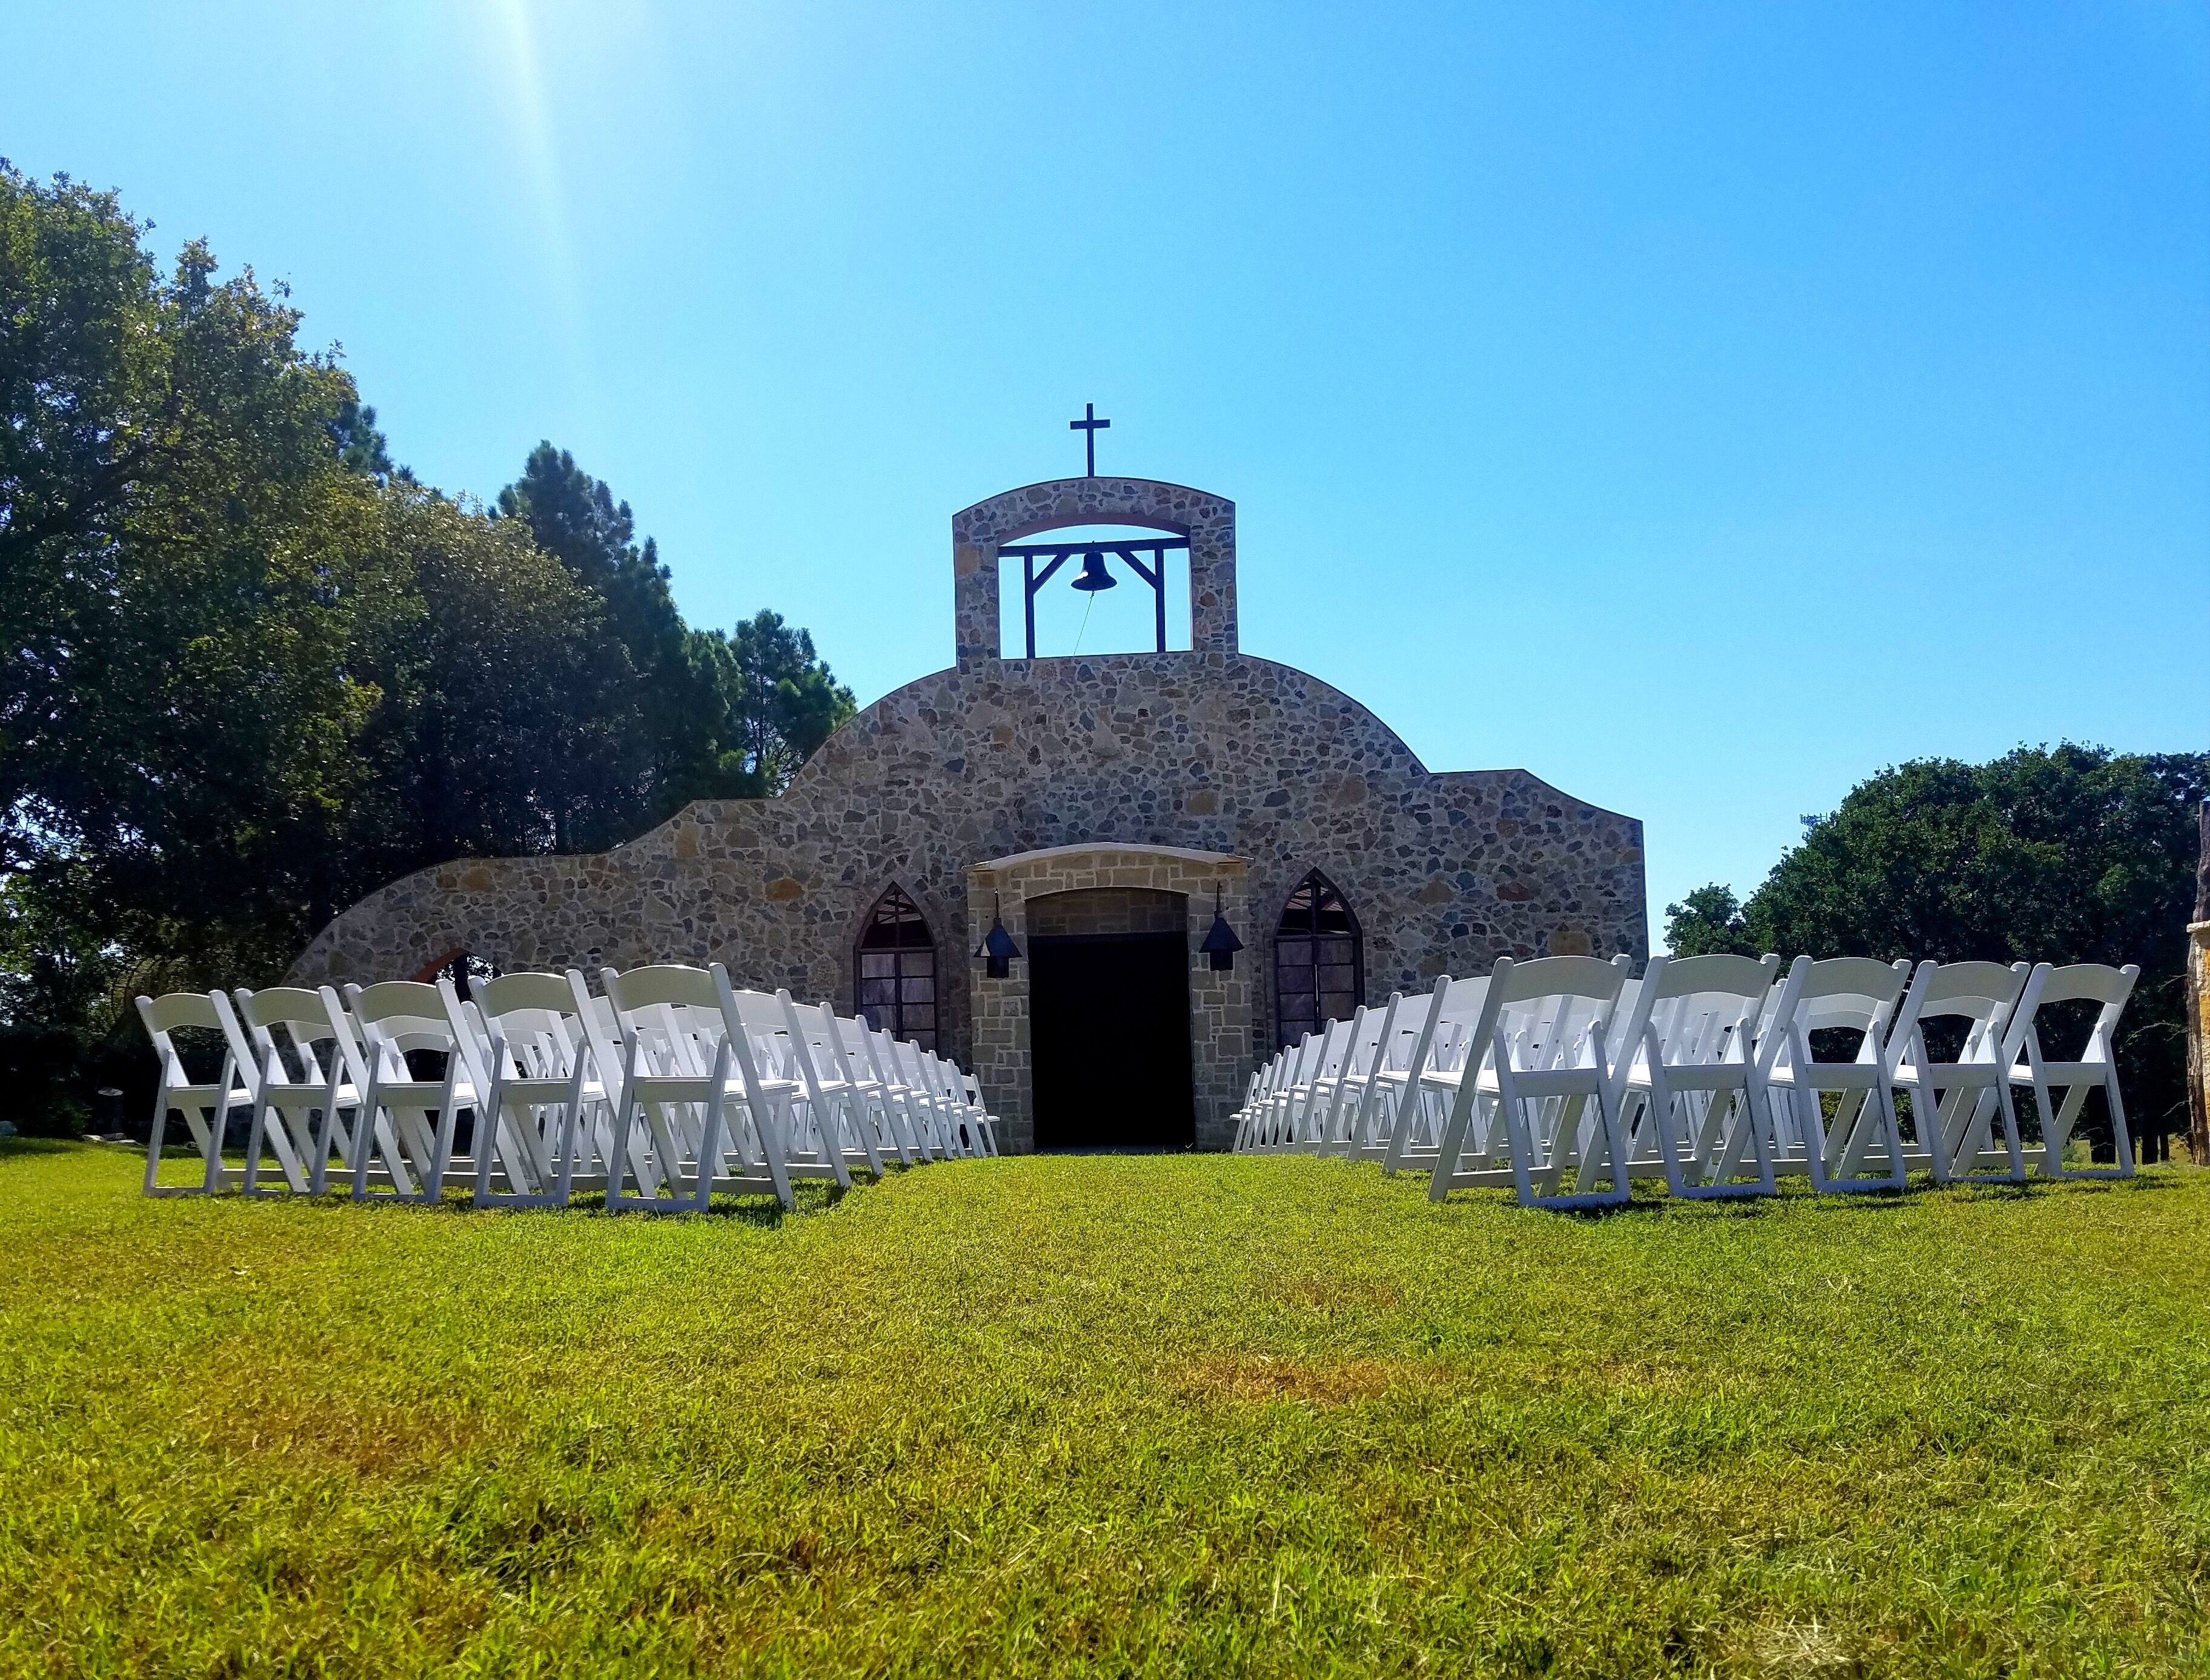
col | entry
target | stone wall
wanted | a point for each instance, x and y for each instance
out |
(1209, 751)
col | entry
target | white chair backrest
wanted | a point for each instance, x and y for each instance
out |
(1458, 1006)
(1857, 977)
(2090, 983)
(1717, 975)
(303, 1019)
(1997, 1004)
(396, 1016)
(1977, 990)
(760, 1011)
(165, 1016)
(1588, 979)
(1557, 1011)
(1706, 1008)
(1859, 993)
(298, 1010)
(510, 993)
(533, 1018)
(172, 1010)
(1335, 1047)
(839, 1056)
(638, 989)
(2083, 983)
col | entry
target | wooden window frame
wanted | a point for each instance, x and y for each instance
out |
(897, 942)
(1322, 1000)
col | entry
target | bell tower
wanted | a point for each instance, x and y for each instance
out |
(992, 531)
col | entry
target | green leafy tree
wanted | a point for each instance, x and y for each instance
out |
(176, 540)
(1708, 921)
(483, 653)
(253, 670)
(2066, 855)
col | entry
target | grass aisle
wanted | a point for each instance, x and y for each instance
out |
(1104, 1416)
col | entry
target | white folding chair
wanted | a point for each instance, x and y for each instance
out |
(844, 1122)
(1955, 1104)
(2095, 1067)
(973, 1086)
(1689, 1091)
(410, 1123)
(1386, 1037)
(1308, 1125)
(871, 1050)
(1550, 1021)
(206, 1107)
(1258, 1100)
(306, 1085)
(1287, 1103)
(945, 1117)
(543, 1106)
(843, 1043)
(695, 1113)
(1435, 1045)
(1343, 1075)
(1252, 1088)
(1859, 1147)
(962, 1097)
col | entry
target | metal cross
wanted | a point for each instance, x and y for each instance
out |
(1091, 424)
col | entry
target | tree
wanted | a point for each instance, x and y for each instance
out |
(484, 657)
(253, 670)
(781, 700)
(1708, 921)
(2069, 855)
(661, 709)
(175, 552)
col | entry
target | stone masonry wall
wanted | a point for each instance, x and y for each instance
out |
(1208, 752)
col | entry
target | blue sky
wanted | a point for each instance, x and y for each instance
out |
(1700, 406)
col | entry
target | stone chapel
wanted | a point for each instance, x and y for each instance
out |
(1105, 809)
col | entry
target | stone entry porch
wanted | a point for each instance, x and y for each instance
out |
(1108, 889)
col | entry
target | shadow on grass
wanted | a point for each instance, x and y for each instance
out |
(810, 1197)
(18, 1144)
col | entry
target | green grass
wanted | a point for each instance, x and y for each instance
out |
(1104, 1416)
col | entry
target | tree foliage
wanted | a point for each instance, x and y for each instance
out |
(254, 670)
(2066, 855)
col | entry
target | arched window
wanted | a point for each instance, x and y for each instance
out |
(896, 970)
(1319, 960)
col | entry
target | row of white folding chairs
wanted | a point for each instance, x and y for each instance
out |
(670, 1087)
(1702, 1073)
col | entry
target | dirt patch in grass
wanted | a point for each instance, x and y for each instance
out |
(319, 1431)
(1260, 1377)
(1337, 1295)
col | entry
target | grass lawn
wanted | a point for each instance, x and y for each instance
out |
(1104, 1416)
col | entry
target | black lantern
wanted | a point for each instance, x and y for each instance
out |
(997, 949)
(1220, 944)
(1094, 575)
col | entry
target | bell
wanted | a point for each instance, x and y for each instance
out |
(1094, 575)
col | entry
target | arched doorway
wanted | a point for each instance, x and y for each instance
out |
(1219, 1003)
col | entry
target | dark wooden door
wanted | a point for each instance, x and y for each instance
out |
(1108, 1027)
